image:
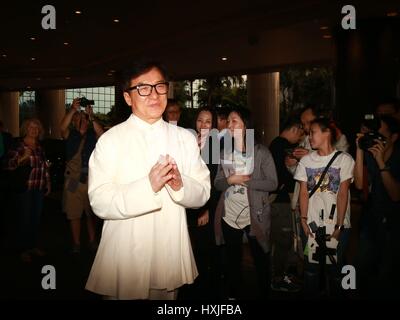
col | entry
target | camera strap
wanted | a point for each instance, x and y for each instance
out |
(321, 178)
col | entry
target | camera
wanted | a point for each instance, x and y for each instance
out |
(372, 124)
(323, 251)
(85, 102)
(368, 140)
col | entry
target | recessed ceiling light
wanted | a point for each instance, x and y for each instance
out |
(78, 12)
(392, 14)
(224, 58)
(66, 43)
(33, 59)
(324, 28)
(116, 20)
(32, 38)
(327, 36)
(4, 55)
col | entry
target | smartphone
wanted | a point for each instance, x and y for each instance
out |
(313, 226)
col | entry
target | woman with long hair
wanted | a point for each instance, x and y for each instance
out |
(28, 155)
(245, 177)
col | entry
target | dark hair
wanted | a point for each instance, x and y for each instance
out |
(314, 109)
(223, 112)
(291, 122)
(392, 123)
(138, 68)
(173, 102)
(248, 120)
(213, 114)
(327, 124)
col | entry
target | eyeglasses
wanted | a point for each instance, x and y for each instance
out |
(146, 89)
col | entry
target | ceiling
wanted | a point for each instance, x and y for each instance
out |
(190, 37)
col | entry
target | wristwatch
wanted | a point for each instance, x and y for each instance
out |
(339, 227)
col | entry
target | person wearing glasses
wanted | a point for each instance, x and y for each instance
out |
(143, 173)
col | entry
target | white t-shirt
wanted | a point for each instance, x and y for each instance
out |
(309, 170)
(237, 211)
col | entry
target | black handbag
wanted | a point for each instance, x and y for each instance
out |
(18, 178)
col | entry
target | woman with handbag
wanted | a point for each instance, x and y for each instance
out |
(30, 178)
(325, 176)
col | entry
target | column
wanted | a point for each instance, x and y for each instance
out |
(263, 101)
(9, 111)
(50, 109)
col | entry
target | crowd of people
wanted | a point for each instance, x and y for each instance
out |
(178, 207)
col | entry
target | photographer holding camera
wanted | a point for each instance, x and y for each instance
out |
(379, 249)
(81, 139)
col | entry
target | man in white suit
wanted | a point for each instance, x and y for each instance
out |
(143, 173)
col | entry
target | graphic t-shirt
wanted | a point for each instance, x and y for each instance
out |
(322, 206)
(237, 211)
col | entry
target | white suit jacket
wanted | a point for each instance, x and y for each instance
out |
(145, 242)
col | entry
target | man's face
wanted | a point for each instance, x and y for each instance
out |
(306, 118)
(221, 123)
(390, 137)
(172, 113)
(148, 108)
(296, 134)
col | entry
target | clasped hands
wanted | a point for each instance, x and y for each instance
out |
(165, 171)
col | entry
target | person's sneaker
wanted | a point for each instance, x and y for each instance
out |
(285, 285)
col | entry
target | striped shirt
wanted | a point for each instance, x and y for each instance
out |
(39, 176)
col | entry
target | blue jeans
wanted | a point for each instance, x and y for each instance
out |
(30, 204)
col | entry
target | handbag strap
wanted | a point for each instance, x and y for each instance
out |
(321, 178)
